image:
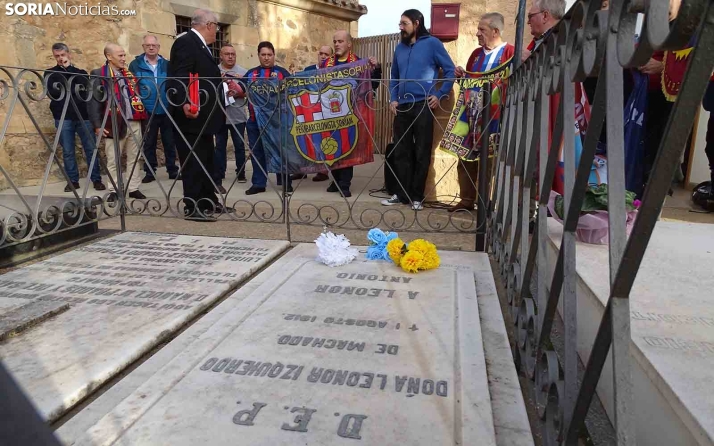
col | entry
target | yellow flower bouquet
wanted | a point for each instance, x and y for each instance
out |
(419, 255)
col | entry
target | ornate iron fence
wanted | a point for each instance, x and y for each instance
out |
(382, 48)
(36, 204)
(588, 42)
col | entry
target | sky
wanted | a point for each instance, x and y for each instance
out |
(383, 15)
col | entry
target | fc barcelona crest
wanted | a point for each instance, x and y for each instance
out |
(325, 127)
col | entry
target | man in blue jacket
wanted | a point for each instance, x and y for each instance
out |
(151, 68)
(415, 71)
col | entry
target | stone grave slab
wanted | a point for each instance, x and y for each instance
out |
(126, 293)
(188, 339)
(360, 354)
(15, 321)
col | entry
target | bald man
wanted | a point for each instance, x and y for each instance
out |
(323, 54)
(120, 82)
(342, 42)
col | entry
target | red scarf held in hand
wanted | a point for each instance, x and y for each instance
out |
(332, 60)
(137, 107)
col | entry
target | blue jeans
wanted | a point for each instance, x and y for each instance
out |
(159, 123)
(220, 162)
(67, 132)
(259, 179)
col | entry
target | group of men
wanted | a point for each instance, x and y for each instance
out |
(420, 56)
(144, 111)
(153, 97)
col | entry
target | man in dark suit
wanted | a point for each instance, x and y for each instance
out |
(190, 54)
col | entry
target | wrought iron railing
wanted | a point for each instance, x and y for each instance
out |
(588, 42)
(26, 94)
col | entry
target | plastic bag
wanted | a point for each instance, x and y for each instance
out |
(592, 227)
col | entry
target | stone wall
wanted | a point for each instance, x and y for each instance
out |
(296, 27)
(443, 167)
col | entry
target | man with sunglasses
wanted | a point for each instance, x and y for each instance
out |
(151, 69)
(542, 17)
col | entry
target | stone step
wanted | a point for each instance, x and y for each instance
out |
(672, 329)
(307, 354)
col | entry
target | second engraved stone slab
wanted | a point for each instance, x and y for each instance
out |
(360, 354)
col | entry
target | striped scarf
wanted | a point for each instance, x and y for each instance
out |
(138, 112)
(332, 60)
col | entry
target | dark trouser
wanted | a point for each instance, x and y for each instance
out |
(259, 158)
(709, 149)
(220, 159)
(413, 131)
(160, 123)
(656, 116)
(468, 181)
(343, 178)
(196, 182)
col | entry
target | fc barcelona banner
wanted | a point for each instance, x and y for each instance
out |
(463, 131)
(326, 119)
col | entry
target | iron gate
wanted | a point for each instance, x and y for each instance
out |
(596, 43)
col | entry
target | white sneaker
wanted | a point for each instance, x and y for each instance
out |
(391, 201)
(417, 206)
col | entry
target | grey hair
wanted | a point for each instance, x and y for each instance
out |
(495, 20)
(59, 46)
(202, 16)
(150, 36)
(556, 8)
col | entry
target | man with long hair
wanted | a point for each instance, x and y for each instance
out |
(415, 71)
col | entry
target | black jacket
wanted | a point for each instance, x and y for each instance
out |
(189, 55)
(101, 89)
(708, 102)
(57, 79)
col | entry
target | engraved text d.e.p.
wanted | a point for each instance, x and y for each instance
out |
(349, 426)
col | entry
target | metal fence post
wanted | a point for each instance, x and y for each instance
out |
(282, 101)
(113, 110)
(482, 192)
